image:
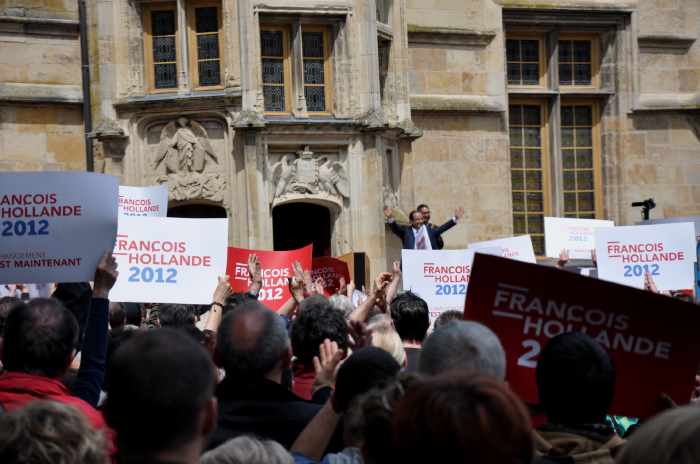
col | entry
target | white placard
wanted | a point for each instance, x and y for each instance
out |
(574, 235)
(694, 219)
(666, 251)
(55, 226)
(143, 201)
(440, 277)
(169, 260)
(518, 248)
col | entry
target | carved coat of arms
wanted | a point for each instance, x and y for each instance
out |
(306, 174)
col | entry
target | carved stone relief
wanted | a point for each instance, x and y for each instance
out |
(185, 154)
(306, 174)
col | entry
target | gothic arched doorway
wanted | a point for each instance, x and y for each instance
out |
(295, 225)
(198, 211)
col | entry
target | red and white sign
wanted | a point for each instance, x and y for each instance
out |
(169, 260)
(518, 248)
(330, 270)
(143, 201)
(666, 251)
(276, 269)
(55, 226)
(652, 338)
(440, 277)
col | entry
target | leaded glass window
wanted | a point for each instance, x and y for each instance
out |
(577, 151)
(528, 171)
(273, 48)
(207, 46)
(314, 47)
(524, 61)
(164, 48)
(575, 62)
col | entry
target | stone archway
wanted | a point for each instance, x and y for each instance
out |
(297, 224)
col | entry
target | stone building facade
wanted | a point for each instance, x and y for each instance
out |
(300, 119)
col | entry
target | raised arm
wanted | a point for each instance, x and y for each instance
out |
(314, 439)
(222, 291)
(393, 287)
(91, 373)
(255, 274)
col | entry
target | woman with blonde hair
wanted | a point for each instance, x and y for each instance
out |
(384, 336)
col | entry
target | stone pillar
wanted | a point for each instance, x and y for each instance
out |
(182, 72)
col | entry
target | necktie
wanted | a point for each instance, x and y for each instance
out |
(420, 243)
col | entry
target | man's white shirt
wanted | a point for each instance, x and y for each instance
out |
(423, 230)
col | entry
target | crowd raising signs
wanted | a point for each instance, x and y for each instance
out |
(441, 277)
(652, 338)
(55, 226)
(667, 252)
(143, 201)
(276, 271)
(169, 260)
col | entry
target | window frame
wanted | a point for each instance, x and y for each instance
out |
(542, 65)
(286, 66)
(327, 68)
(543, 103)
(149, 64)
(596, 147)
(192, 43)
(594, 39)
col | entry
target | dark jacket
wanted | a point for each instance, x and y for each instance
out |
(405, 233)
(262, 408)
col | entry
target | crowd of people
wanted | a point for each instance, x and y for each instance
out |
(341, 380)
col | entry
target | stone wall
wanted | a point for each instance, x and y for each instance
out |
(462, 160)
(41, 125)
(40, 137)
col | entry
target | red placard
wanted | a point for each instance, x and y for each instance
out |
(276, 270)
(652, 338)
(330, 270)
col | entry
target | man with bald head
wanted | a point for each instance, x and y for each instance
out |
(254, 350)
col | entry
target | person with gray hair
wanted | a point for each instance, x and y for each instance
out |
(342, 303)
(464, 345)
(248, 450)
(672, 437)
(48, 432)
(254, 349)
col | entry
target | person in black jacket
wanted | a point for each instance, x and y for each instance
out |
(254, 350)
(419, 236)
(425, 211)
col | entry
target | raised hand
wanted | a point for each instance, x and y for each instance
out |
(459, 213)
(388, 212)
(105, 276)
(254, 271)
(326, 365)
(222, 291)
(563, 258)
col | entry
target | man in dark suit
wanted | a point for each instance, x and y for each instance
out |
(425, 211)
(418, 236)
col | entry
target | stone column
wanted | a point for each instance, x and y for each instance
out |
(183, 74)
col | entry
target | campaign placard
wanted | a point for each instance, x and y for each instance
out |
(331, 270)
(440, 277)
(143, 201)
(651, 338)
(276, 269)
(666, 251)
(518, 248)
(169, 260)
(577, 236)
(55, 226)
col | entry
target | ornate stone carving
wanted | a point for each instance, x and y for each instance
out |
(184, 146)
(307, 174)
(194, 185)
